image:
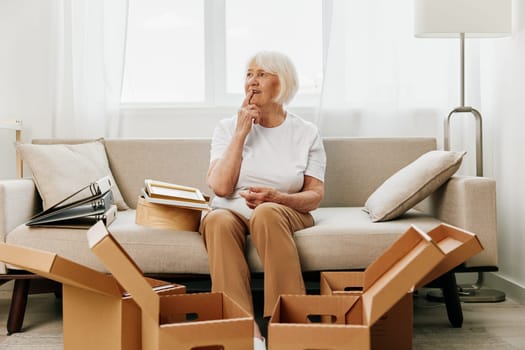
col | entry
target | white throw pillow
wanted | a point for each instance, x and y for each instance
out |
(411, 184)
(59, 170)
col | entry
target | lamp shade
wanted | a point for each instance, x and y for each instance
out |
(475, 18)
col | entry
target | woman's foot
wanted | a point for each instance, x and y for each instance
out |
(259, 343)
(258, 340)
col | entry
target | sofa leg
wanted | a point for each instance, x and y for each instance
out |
(452, 302)
(18, 306)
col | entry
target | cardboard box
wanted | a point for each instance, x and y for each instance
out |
(167, 216)
(385, 283)
(457, 244)
(394, 329)
(189, 321)
(97, 313)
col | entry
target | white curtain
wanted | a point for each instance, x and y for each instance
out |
(380, 80)
(89, 63)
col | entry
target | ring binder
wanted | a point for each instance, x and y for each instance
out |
(87, 205)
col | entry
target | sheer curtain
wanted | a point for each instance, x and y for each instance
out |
(90, 47)
(380, 80)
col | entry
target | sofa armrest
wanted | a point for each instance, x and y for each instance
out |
(19, 201)
(469, 202)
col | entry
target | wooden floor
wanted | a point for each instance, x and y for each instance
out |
(486, 325)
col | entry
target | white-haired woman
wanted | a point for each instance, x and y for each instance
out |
(267, 172)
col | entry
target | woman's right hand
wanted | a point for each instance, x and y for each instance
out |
(248, 115)
(223, 173)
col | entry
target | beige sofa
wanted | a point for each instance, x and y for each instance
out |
(343, 238)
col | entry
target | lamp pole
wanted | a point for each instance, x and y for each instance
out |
(462, 68)
(474, 292)
(466, 109)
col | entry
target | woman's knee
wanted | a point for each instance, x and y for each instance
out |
(266, 215)
(267, 210)
(220, 223)
(215, 219)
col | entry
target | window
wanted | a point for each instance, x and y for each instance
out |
(190, 52)
(276, 25)
(164, 52)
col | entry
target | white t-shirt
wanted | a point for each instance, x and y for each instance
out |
(276, 157)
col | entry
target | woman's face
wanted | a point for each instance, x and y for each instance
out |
(264, 85)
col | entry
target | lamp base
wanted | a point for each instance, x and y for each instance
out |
(470, 294)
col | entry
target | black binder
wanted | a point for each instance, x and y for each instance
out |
(92, 200)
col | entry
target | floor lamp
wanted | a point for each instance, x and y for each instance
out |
(465, 19)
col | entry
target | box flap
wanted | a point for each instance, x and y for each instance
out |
(341, 281)
(54, 267)
(394, 273)
(120, 264)
(458, 246)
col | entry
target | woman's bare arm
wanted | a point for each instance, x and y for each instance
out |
(223, 173)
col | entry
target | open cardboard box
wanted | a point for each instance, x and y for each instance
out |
(458, 245)
(394, 329)
(413, 259)
(97, 312)
(182, 322)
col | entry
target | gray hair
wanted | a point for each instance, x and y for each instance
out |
(280, 65)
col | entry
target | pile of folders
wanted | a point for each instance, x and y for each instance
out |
(82, 209)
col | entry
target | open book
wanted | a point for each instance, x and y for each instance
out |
(160, 192)
(93, 200)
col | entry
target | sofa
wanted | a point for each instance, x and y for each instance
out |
(344, 237)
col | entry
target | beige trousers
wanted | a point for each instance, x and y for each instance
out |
(271, 228)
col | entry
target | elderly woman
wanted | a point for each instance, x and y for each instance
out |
(267, 170)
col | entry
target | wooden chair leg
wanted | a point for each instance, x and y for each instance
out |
(452, 302)
(18, 306)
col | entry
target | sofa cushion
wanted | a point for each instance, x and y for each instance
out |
(335, 244)
(154, 250)
(411, 184)
(331, 244)
(59, 170)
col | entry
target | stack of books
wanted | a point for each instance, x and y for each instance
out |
(166, 193)
(82, 209)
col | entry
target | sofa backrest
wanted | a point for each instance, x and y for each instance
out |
(181, 161)
(355, 166)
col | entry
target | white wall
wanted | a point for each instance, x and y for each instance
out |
(26, 85)
(503, 107)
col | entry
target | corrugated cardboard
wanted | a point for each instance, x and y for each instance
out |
(394, 329)
(412, 258)
(291, 329)
(189, 321)
(458, 244)
(167, 216)
(96, 312)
